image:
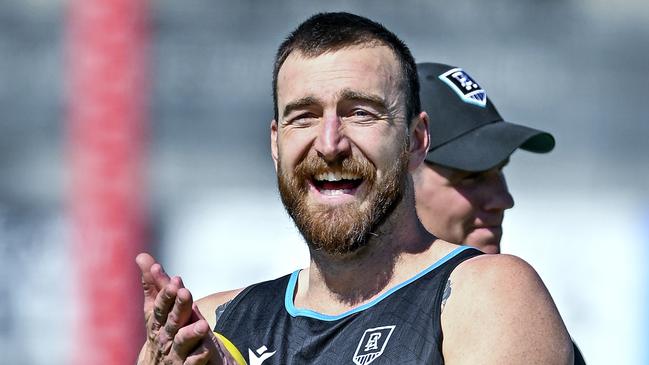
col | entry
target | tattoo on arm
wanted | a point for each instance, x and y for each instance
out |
(447, 293)
(220, 309)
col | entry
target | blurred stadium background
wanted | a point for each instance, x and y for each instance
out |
(206, 200)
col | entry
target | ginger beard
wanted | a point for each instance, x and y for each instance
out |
(342, 229)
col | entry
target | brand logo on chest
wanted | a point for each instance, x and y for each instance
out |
(372, 344)
(261, 355)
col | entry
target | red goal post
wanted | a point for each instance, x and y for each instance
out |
(106, 59)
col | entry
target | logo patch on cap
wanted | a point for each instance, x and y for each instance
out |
(466, 87)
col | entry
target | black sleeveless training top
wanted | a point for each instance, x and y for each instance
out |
(402, 326)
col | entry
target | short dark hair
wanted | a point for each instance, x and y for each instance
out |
(327, 32)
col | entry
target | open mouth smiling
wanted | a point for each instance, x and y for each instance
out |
(336, 183)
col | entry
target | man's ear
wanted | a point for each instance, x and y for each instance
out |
(273, 142)
(419, 140)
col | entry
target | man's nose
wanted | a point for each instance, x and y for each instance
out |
(331, 142)
(497, 196)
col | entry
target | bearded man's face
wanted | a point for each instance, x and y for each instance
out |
(341, 228)
(340, 143)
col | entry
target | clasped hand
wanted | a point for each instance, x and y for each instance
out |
(176, 331)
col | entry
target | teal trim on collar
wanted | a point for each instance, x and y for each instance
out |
(296, 312)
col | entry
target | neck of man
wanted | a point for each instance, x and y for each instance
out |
(393, 253)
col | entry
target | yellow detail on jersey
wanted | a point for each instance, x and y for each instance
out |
(232, 349)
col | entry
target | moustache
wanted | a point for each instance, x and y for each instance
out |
(356, 167)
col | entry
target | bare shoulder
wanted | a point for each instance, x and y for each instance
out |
(502, 270)
(499, 307)
(208, 305)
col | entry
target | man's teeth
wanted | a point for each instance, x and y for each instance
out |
(335, 176)
(335, 192)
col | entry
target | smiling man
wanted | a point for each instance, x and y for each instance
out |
(348, 133)
(461, 190)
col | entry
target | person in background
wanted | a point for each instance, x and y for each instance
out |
(461, 190)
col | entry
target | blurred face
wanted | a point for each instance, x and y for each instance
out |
(463, 207)
(341, 144)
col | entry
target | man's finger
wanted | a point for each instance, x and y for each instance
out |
(219, 353)
(180, 313)
(144, 262)
(160, 277)
(189, 338)
(164, 302)
(153, 279)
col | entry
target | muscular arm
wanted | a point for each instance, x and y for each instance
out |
(499, 312)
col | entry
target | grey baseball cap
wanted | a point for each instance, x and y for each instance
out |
(466, 130)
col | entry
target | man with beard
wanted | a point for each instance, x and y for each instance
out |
(347, 134)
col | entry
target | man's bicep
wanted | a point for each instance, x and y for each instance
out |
(210, 304)
(500, 313)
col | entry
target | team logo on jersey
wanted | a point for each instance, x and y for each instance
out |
(260, 356)
(372, 344)
(466, 87)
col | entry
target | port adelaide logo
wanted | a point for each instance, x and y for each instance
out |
(372, 344)
(466, 87)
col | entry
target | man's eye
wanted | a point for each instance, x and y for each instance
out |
(470, 179)
(360, 115)
(302, 119)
